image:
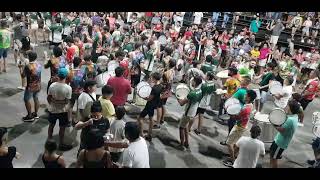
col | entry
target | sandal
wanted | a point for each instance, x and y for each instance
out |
(197, 131)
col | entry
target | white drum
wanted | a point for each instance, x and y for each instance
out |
(277, 117)
(223, 74)
(112, 65)
(268, 132)
(275, 87)
(182, 91)
(316, 129)
(102, 79)
(221, 91)
(232, 106)
(315, 117)
(143, 89)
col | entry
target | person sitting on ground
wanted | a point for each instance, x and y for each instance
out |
(249, 149)
(94, 155)
(50, 158)
(6, 153)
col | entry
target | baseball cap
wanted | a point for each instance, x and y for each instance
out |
(63, 72)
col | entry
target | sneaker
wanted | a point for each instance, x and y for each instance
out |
(65, 147)
(197, 132)
(161, 122)
(35, 115)
(4, 70)
(311, 162)
(21, 88)
(186, 146)
(228, 163)
(28, 118)
(156, 126)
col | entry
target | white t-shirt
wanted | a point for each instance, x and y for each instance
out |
(197, 17)
(282, 102)
(249, 152)
(84, 98)
(136, 155)
(117, 130)
(59, 92)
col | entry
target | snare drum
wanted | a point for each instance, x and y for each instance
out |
(275, 87)
(182, 91)
(223, 74)
(277, 116)
(143, 89)
(232, 106)
(315, 117)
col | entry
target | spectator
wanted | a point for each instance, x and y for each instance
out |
(50, 158)
(6, 153)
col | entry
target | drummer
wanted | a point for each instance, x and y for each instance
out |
(207, 88)
(241, 124)
(281, 100)
(267, 77)
(208, 66)
(193, 72)
(152, 104)
(285, 133)
(192, 102)
(231, 85)
(311, 89)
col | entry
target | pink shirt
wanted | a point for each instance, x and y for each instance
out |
(112, 21)
(121, 89)
(264, 53)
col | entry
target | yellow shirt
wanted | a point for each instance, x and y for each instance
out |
(232, 85)
(254, 53)
(107, 108)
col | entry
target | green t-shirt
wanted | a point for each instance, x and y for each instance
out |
(195, 95)
(290, 126)
(208, 88)
(129, 47)
(56, 27)
(207, 67)
(5, 39)
(46, 15)
(34, 17)
(265, 80)
(240, 94)
(65, 22)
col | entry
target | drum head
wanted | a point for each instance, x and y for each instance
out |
(143, 89)
(223, 74)
(221, 91)
(316, 130)
(277, 116)
(182, 91)
(275, 87)
(230, 102)
(234, 109)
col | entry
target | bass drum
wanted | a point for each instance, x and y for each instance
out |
(182, 91)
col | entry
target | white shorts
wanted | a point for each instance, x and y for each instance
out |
(274, 40)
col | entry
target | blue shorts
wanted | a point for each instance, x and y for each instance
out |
(29, 94)
(3, 53)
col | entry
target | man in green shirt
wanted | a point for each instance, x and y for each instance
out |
(5, 42)
(192, 102)
(207, 66)
(285, 133)
(127, 45)
(264, 84)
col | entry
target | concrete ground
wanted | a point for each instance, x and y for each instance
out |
(205, 150)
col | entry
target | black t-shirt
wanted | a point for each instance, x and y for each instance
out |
(102, 125)
(6, 160)
(156, 91)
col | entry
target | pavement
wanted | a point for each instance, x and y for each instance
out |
(205, 150)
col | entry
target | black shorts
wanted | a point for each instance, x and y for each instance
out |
(54, 44)
(163, 102)
(147, 111)
(63, 119)
(201, 110)
(275, 151)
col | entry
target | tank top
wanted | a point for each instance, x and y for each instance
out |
(95, 164)
(51, 164)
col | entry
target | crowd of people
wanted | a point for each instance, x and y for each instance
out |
(117, 51)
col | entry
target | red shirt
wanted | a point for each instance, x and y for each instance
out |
(148, 14)
(244, 116)
(121, 89)
(125, 64)
(188, 34)
(312, 87)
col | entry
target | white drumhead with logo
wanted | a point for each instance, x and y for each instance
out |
(182, 91)
(316, 129)
(277, 116)
(232, 106)
(143, 89)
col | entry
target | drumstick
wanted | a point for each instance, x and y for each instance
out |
(199, 52)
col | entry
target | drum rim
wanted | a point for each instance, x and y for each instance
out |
(138, 90)
(281, 110)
